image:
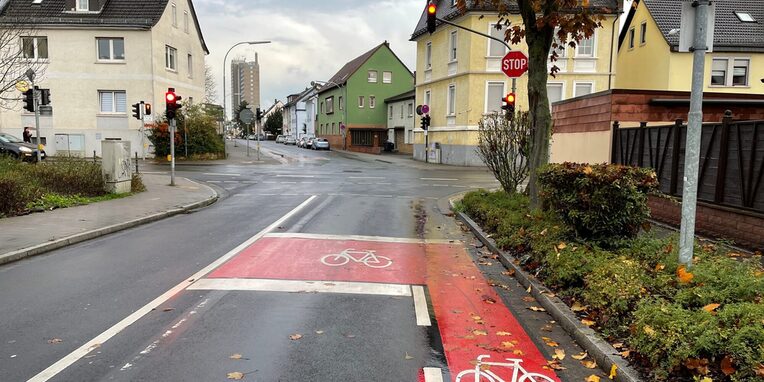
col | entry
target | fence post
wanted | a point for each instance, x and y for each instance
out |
(642, 131)
(615, 141)
(721, 169)
(675, 157)
(136, 162)
(94, 157)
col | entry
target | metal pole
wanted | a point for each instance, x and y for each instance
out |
(694, 130)
(36, 94)
(173, 125)
(247, 132)
(426, 147)
(257, 131)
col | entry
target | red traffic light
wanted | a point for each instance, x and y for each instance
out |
(170, 97)
(431, 9)
(510, 98)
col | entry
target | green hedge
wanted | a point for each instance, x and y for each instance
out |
(603, 203)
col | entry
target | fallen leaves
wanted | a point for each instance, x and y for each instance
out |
(711, 308)
(235, 356)
(508, 344)
(408, 357)
(55, 341)
(727, 367)
(559, 354)
(518, 352)
(295, 337)
(588, 322)
(554, 365)
(592, 378)
(488, 299)
(536, 309)
(550, 342)
(529, 299)
(613, 371)
(510, 273)
(503, 334)
(562, 246)
(479, 332)
(589, 364)
(760, 370)
(319, 332)
(580, 356)
(684, 276)
(649, 330)
(699, 366)
(235, 375)
(577, 307)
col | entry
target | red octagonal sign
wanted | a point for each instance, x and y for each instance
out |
(514, 64)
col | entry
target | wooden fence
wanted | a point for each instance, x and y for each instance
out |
(731, 159)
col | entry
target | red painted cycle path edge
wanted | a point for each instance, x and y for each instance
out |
(471, 317)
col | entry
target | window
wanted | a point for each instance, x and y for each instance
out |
(555, 92)
(362, 138)
(391, 112)
(739, 67)
(322, 108)
(340, 104)
(373, 76)
(185, 21)
(190, 66)
(402, 111)
(113, 102)
(333, 126)
(582, 89)
(372, 102)
(451, 100)
(745, 17)
(586, 47)
(428, 56)
(495, 48)
(170, 58)
(428, 98)
(643, 34)
(452, 47)
(411, 109)
(174, 15)
(34, 47)
(360, 102)
(493, 97)
(82, 5)
(110, 49)
(631, 38)
(330, 105)
(387, 77)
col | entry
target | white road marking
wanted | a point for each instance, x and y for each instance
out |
(96, 342)
(440, 179)
(439, 185)
(366, 177)
(295, 286)
(382, 239)
(269, 182)
(420, 306)
(294, 176)
(432, 374)
(214, 181)
(155, 172)
(220, 174)
(381, 184)
(288, 182)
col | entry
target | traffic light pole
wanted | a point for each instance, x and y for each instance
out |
(514, 80)
(257, 131)
(173, 125)
(36, 94)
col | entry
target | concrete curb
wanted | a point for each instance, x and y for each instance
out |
(605, 354)
(84, 236)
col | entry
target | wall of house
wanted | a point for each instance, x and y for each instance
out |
(401, 118)
(648, 65)
(474, 69)
(325, 119)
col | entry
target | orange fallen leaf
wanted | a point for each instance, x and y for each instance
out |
(577, 307)
(699, 365)
(235, 375)
(518, 352)
(295, 337)
(235, 356)
(529, 299)
(555, 365)
(684, 276)
(588, 322)
(613, 372)
(580, 356)
(589, 364)
(649, 331)
(488, 299)
(479, 332)
(660, 267)
(559, 354)
(760, 370)
(592, 378)
(537, 309)
(710, 308)
(625, 353)
(550, 342)
(562, 246)
(503, 334)
(727, 367)
(588, 169)
(508, 344)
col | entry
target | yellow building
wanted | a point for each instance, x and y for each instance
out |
(648, 57)
(458, 75)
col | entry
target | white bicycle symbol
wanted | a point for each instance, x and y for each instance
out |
(368, 258)
(517, 371)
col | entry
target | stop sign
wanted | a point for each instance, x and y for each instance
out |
(514, 64)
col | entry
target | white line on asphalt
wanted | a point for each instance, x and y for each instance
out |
(433, 374)
(439, 185)
(366, 177)
(96, 342)
(439, 179)
(383, 239)
(294, 176)
(288, 182)
(155, 172)
(269, 182)
(220, 174)
(383, 183)
(420, 306)
(296, 286)
(307, 182)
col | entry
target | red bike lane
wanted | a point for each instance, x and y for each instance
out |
(471, 318)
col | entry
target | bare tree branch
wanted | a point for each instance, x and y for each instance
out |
(14, 62)
(503, 146)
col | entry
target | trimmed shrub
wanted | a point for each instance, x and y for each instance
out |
(193, 124)
(603, 203)
(71, 177)
(16, 193)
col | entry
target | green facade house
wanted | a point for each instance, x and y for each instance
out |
(355, 97)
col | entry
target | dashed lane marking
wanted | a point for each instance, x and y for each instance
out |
(294, 286)
(433, 374)
(220, 174)
(440, 179)
(383, 239)
(420, 306)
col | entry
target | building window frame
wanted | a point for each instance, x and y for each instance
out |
(118, 102)
(174, 15)
(83, 6)
(729, 71)
(632, 37)
(491, 29)
(362, 137)
(35, 51)
(190, 65)
(330, 105)
(575, 86)
(593, 53)
(563, 88)
(390, 117)
(428, 97)
(428, 56)
(387, 77)
(643, 33)
(112, 54)
(372, 102)
(453, 43)
(451, 101)
(185, 21)
(361, 100)
(503, 92)
(170, 58)
(411, 109)
(339, 103)
(372, 76)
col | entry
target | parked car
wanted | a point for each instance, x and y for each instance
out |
(309, 142)
(320, 144)
(301, 142)
(280, 139)
(16, 148)
(290, 140)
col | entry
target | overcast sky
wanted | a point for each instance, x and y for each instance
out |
(311, 39)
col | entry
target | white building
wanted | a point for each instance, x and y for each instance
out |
(300, 113)
(400, 121)
(103, 56)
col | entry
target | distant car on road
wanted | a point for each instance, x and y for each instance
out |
(320, 144)
(280, 139)
(301, 142)
(16, 148)
(309, 142)
(290, 140)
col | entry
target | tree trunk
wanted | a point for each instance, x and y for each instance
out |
(539, 42)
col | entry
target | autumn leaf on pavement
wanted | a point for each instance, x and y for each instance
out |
(407, 357)
(507, 344)
(577, 307)
(588, 322)
(684, 276)
(488, 299)
(589, 364)
(55, 341)
(592, 378)
(235, 375)
(536, 309)
(479, 332)
(727, 367)
(559, 354)
(503, 334)
(319, 332)
(529, 299)
(580, 356)
(550, 342)
(235, 356)
(613, 372)
(295, 337)
(518, 352)
(555, 365)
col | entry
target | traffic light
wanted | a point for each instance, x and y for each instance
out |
(425, 122)
(432, 9)
(29, 100)
(44, 96)
(258, 115)
(509, 103)
(173, 105)
(137, 110)
(147, 109)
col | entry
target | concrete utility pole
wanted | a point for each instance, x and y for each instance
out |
(694, 130)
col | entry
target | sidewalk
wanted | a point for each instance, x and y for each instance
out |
(30, 235)
(236, 155)
(398, 159)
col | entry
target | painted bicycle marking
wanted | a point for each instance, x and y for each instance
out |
(483, 372)
(365, 257)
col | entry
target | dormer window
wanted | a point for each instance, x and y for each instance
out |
(745, 17)
(83, 5)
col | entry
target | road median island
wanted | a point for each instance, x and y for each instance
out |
(628, 302)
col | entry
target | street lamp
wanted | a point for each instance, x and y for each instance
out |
(344, 107)
(225, 59)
